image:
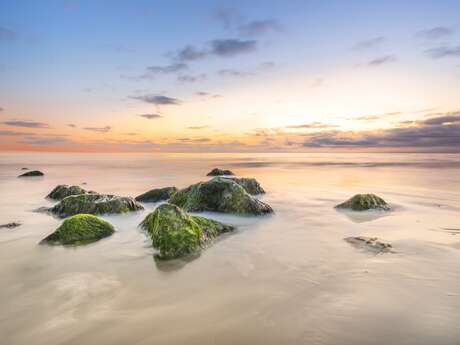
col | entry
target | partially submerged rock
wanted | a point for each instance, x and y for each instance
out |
(249, 184)
(94, 204)
(157, 194)
(62, 191)
(219, 172)
(24, 168)
(363, 202)
(370, 243)
(176, 234)
(80, 229)
(32, 173)
(11, 225)
(220, 195)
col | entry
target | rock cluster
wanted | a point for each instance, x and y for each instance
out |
(157, 194)
(62, 191)
(220, 172)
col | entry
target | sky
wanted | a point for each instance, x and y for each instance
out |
(230, 76)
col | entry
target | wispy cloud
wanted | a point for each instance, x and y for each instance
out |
(150, 116)
(99, 129)
(234, 72)
(190, 78)
(71, 125)
(229, 17)
(383, 60)
(435, 33)
(370, 43)
(197, 127)
(26, 123)
(15, 133)
(7, 34)
(232, 47)
(443, 51)
(313, 125)
(172, 68)
(191, 53)
(157, 99)
(46, 141)
(194, 140)
(259, 27)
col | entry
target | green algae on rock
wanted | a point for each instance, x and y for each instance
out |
(62, 191)
(176, 234)
(32, 173)
(363, 202)
(95, 204)
(80, 229)
(220, 195)
(157, 194)
(249, 184)
(219, 172)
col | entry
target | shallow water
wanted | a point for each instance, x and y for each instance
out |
(289, 278)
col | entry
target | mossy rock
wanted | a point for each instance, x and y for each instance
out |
(364, 202)
(80, 229)
(372, 244)
(95, 204)
(157, 194)
(249, 184)
(62, 191)
(219, 195)
(176, 234)
(32, 173)
(220, 172)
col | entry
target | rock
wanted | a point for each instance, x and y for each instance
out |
(363, 202)
(158, 194)
(220, 195)
(219, 172)
(32, 173)
(24, 168)
(176, 234)
(249, 184)
(94, 204)
(370, 243)
(11, 225)
(63, 190)
(80, 229)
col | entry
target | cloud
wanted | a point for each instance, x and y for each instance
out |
(7, 35)
(442, 52)
(259, 27)
(99, 129)
(374, 117)
(382, 60)
(232, 47)
(229, 17)
(26, 123)
(444, 120)
(194, 140)
(1, 109)
(172, 68)
(197, 127)
(190, 53)
(7, 133)
(150, 116)
(234, 73)
(313, 125)
(45, 141)
(157, 99)
(71, 125)
(435, 33)
(188, 78)
(370, 43)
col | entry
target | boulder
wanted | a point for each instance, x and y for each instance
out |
(11, 225)
(249, 184)
(94, 204)
(372, 244)
(176, 234)
(220, 195)
(32, 173)
(363, 202)
(158, 194)
(80, 229)
(63, 190)
(219, 172)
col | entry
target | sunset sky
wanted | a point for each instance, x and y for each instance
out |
(230, 76)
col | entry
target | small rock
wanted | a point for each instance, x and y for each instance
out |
(24, 168)
(11, 225)
(370, 243)
(220, 195)
(63, 190)
(364, 202)
(158, 194)
(95, 204)
(80, 229)
(176, 234)
(219, 172)
(32, 173)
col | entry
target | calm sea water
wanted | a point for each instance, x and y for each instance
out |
(288, 278)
